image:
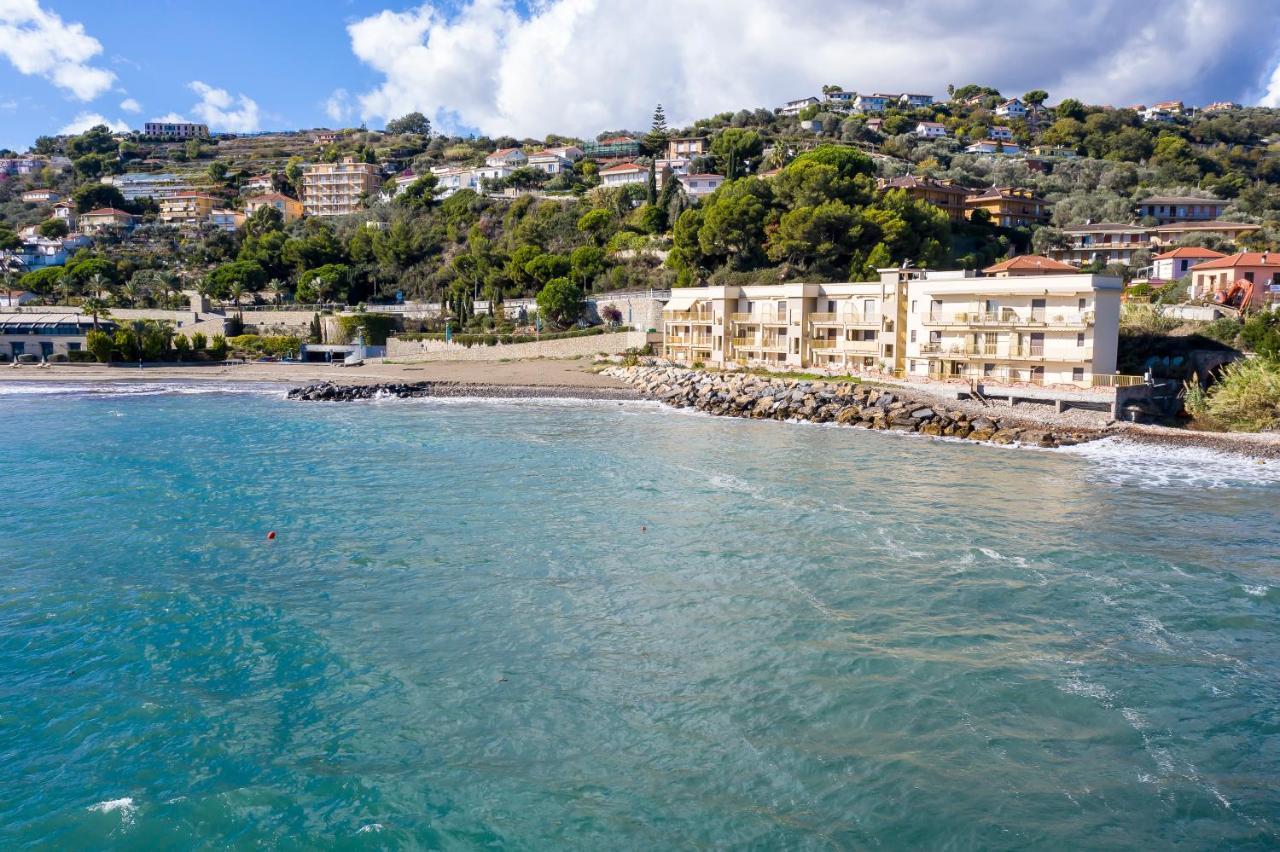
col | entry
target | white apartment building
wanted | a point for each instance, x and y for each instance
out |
(931, 130)
(623, 173)
(175, 130)
(699, 186)
(337, 189)
(1039, 330)
(1013, 108)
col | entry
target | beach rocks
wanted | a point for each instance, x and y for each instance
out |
(333, 392)
(844, 403)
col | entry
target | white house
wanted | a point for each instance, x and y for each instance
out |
(931, 130)
(453, 179)
(797, 106)
(1000, 133)
(1172, 265)
(510, 158)
(698, 186)
(258, 184)
(622, 174)
(841, 100)
(550, 162)
(994, 147)
(915, 101)
(871, 103)
(1013, 108)
(41, 196)
(675, 165)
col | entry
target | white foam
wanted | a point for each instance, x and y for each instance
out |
(1120, 462)
(125, 806)
(373, 827)
(126, 388)
(1257, 591)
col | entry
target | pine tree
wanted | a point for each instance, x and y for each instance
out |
(651, 191)
(655, 141)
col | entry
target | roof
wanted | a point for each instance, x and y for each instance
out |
(1011, 102)
(1181, 199)
(270, 196)
(930, 124)
(267, 176)
(1189, 252)
(106, 211)
(1005, 192)
(178, 195)
(550, 153)
(1215, 225)
(622, 167)
(1244, 258)
(83, 320)
(916, 182)
(15, 294)
(1034, 262)
(502, 152)
(616, 140)
(700, 175)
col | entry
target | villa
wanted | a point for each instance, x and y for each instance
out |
(46, 335)
(622, 174)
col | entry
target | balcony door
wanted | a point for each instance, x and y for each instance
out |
(1037, 310)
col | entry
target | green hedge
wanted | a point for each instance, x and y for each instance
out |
(469, 340)
(376, 327)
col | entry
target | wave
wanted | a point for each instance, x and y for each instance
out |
(128, 388)
(124, 806)
(1119, 462)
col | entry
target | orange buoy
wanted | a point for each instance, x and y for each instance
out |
(271, 536)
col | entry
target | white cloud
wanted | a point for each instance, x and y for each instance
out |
(171, 118)
(338, 106)
(130, 105)
(582, 66)
(39, 42)
(85, 120)
(1271, 97)
(221, 110)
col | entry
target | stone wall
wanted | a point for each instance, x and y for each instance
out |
(569, 347)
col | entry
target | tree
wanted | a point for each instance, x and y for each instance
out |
(9, 241)
(586, 263)
(421, 193)
(238, 276)
(734, 149)
(655, 141)
(597, 223)
(53, 229)
(100, 344)
(217, 171)
(816, 236)
(1036, 97)
(95, 140)
(734, 222)
(414, 122)
(92, 196)
(545, 267)
(560, 300)
(1071, 108)
(324, 283)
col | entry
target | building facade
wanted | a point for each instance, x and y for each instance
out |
(1252, 276)
(1010, 207)
(1172, 209)
(337, 189)
(1040, 330)
(45, 335)
(175, 130)
(941, 194)
(290, 208)
(188, 210)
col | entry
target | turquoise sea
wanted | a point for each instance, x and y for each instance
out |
(583, 625)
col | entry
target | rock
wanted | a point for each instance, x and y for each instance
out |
(1005, 436)
(980, 434)
(934, 429)
(922, 413)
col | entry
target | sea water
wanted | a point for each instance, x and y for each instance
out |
(559, 624)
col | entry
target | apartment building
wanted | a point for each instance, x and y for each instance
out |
(1108, 242)
(686, 147)
(1041, 330)
(700, 185)
(1059, 329)
(290, 209)
(1010, 207)
(1000, 133)
(942, 194)
(136, 185)
(175, 130)
(1172, 209)
(931, 130)
(337, 189)
(623, 173)
(188, 210)
(105, 220)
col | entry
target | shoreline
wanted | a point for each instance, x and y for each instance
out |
(580, 379)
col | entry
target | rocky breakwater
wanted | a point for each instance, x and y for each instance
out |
(858, 405)
(332, 392)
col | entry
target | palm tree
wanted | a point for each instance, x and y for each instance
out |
(97, 307)
(98, 284)
(277, 287)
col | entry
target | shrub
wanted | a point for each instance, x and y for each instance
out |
(81, 356)
(99, 345)
(1246, 398)
(218, 347)
(1224, 330)
(199, 341)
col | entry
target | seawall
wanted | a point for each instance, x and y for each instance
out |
(856, 405)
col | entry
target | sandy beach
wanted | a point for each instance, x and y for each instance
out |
(528, 373)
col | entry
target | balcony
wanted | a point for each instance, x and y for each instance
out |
(750, 344)
(760, 318)
(992, 352)
(1009, 318)
(688, 316)
(845, 318)
(840, 346)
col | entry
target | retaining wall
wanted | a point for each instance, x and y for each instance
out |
(569, 347)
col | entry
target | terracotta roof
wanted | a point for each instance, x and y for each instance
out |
(1245, 258)
(916, 182)
(106, 211)
(502, 152)
(270, 196)
(622, 167)
(1030, 261)
(1106, 227)
(1215, 225)
(701, 175)
(1006, 192)
(1189, 252)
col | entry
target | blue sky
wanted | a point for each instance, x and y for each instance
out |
(581, 66)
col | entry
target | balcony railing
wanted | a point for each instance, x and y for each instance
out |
(687, 316)
(1116, 380)
(992, 351)
(1011, 318)
(768, 317)
(845, 318)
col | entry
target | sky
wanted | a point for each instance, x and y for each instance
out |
(533, 67)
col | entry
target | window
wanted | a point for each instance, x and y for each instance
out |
(913, 335)
(1080, 338)
(1080, 305)
(1077, 374)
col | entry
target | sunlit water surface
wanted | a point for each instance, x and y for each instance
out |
(551, 624)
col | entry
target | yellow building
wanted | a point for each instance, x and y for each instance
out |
(290, 208)
(1060, 329)
(337, 189)
(1010, 207)
(187, 209)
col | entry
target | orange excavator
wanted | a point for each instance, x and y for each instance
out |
(1237, 297)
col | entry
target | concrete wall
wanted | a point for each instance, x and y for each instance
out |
(571, 347)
